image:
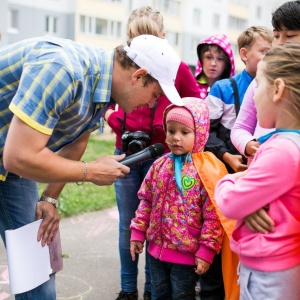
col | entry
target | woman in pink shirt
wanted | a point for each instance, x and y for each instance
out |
(270, 262)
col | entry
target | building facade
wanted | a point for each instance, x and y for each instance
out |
(102, 23)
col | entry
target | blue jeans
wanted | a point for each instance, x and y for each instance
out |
(211, 282)
(127, 200)
(18, 198)
(172, 281)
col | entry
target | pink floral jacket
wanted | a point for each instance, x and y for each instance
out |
(178, 226)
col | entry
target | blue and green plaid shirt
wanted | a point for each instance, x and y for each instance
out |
(58, 87)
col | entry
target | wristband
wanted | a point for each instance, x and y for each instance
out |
(84, 174)
(49, 199)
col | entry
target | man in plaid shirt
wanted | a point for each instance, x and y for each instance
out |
(53, 93)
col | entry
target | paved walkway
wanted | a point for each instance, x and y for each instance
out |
(91, 263)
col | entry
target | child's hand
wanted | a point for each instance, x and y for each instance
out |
(239, 174)
(252, 147)
(235, 161)
(260, 221)
(201, 266)
(136, 247)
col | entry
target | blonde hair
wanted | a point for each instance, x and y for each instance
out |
(247, 38)
(145, 20)
(284, 62)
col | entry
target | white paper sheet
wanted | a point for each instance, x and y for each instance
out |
(28, 261)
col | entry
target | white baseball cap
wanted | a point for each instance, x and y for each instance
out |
(161, 61)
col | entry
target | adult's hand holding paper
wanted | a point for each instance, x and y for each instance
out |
(28, 262)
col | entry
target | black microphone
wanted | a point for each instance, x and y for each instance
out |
(146, 154)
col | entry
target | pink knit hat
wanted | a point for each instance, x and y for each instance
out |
(181, 115)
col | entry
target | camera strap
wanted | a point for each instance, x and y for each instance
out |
(152, 118)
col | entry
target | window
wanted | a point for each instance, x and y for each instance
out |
(82, 24)
(117, 29)
(237, 23)
(86, 24)
(194, 44)
(51, 24)
(101, 26)
(258, 12)
(216, 21)
(169, 7)
(13, 21)
(197, 17)
(242, 2)
(130, 5)
(97, 26)
(235, 49)
(173, 38)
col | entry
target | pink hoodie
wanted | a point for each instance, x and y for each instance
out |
(222, 41)
(272, 179)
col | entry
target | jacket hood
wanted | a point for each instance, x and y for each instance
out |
(222, 41)
(199, 110)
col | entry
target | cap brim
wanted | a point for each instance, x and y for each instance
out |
(172, 94)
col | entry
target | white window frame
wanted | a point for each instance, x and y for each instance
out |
(110, 28)
(170, 7)
(197, 17)
(173, 38)
(237, 23)
(13, 21)
(216, 21)
(51, 24)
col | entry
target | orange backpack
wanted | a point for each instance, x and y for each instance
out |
(211, 170)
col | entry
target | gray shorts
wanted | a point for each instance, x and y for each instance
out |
(257, 285)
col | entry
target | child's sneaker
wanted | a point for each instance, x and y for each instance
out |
(147, 295)
(127, 296)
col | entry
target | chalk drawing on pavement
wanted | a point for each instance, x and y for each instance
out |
(4, 283)
(78, 287)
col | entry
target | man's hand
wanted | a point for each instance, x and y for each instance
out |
(136, 247)
(26, 155)
(234, 161)
(49, 225)
(106, 170)
(201, 266)
(260, 221)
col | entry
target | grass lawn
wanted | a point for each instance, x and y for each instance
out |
(76, 199)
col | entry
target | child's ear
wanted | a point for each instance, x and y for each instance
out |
(243, 54)
(279, 89)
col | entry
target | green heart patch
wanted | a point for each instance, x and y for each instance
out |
(187, 182)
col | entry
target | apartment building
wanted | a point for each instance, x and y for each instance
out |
(102, 23)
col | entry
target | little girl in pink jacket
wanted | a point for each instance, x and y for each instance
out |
(175, 213)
